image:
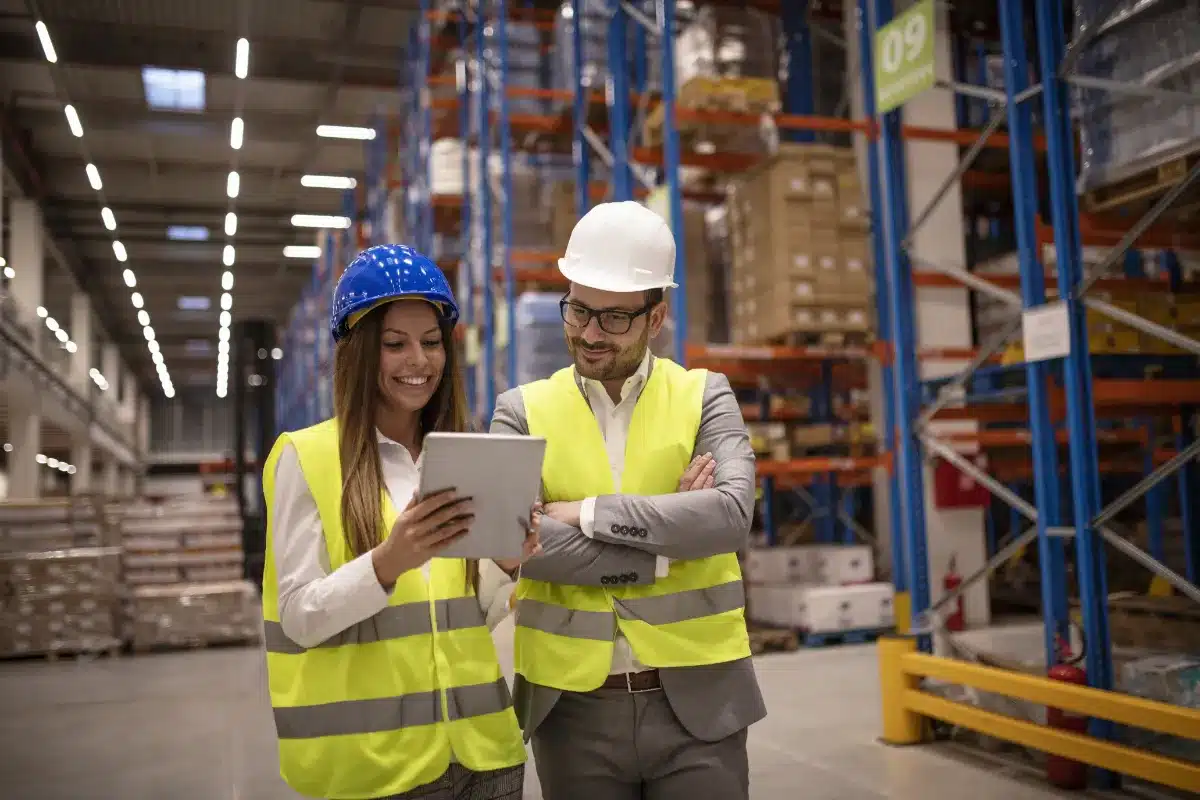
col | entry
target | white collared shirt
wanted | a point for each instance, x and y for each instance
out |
(614, 420)
(316, 603)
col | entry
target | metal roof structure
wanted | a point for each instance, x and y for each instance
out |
(156, 95)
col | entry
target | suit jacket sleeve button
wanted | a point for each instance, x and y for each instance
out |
(633, 577)
(615, 529)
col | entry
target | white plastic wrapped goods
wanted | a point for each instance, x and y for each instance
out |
(541, 346)
(727, 43)
(1122, 133)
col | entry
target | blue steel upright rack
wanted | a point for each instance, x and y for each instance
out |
(1084, 519)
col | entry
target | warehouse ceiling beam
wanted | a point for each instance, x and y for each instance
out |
(132, 117)
(121, 46)
(67, 255)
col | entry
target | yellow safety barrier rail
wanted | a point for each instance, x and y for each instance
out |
(906, 708)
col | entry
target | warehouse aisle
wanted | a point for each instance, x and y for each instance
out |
(195, 726)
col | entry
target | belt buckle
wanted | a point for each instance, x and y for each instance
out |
(629, 685)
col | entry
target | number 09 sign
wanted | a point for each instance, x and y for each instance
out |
(904, 57)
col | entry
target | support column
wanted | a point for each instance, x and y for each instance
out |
(28, 261)
(81, 457)
(25, 432)
(142, 422)
(110, 368)
(128, 483)
(129, 398)
(112, 484)
(81, 334)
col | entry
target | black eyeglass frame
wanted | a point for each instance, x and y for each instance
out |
(596, 314)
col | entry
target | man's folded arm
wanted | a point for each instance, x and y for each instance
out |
(569, 557)
(696, 524)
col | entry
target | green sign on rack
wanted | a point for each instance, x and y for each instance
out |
(904, 57)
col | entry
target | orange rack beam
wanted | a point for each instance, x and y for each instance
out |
(800, 467)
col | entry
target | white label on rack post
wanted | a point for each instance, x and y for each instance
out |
(1046, 332)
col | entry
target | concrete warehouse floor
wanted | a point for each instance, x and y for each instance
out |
(195, 726)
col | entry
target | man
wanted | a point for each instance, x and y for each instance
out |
(634, 677)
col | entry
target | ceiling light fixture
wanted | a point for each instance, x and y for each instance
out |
(94, 177)
(73, 120)
(226, 301)
(233, 184)
(227, 255)
(119, 251)
(143, 317)
(320, 221)
(227, 281)
(230, 224)
(302, 251)
(47, 46)
(327, 182)
(130, 278)
(241, 58)
(136, 298)
(345, 132)
(236, 129)
(110, 221)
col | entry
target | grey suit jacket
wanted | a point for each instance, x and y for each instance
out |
(711, 702)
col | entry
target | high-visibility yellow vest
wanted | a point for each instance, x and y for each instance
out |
(378, 709)
(696, 615)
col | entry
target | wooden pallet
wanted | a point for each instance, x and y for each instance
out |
(773, 640)
(823, 339)
(1141, 189)
(1154, 623)
(66, 654)
(194, 644)
(864, 636)
(733, 95)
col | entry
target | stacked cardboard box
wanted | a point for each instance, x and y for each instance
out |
(62, 579)
(60, 601)
(780, 441)
(185, 541)
(192, 614)
(818, 589)
(800, 247)
(184, 568)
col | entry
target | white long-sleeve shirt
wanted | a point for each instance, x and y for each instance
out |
(614, 420)
(315, 602)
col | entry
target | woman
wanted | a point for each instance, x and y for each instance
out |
(383, 677)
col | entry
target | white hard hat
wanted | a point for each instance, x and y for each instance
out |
(620, 247)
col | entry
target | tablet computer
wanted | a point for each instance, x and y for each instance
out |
(501, 472)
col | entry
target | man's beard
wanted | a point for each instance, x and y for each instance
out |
(621, 363)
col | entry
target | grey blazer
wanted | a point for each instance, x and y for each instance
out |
(711, 702)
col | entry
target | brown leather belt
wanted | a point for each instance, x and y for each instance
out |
(644, 681)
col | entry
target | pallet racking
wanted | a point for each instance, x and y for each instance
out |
(1065, 392)
(1040, 404)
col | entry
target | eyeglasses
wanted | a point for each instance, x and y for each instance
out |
(614, 321)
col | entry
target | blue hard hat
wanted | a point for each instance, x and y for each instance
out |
(384, 273)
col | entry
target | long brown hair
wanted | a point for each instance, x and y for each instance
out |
(355, 402)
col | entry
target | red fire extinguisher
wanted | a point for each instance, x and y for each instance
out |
(1064, 772)
(957, 621)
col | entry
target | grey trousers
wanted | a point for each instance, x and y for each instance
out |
(615, 745)
(460, 783)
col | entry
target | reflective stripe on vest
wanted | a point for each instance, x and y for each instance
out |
(379, 708)
(694, 616)
(394, 622)
(657, 610)
(391, 713)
